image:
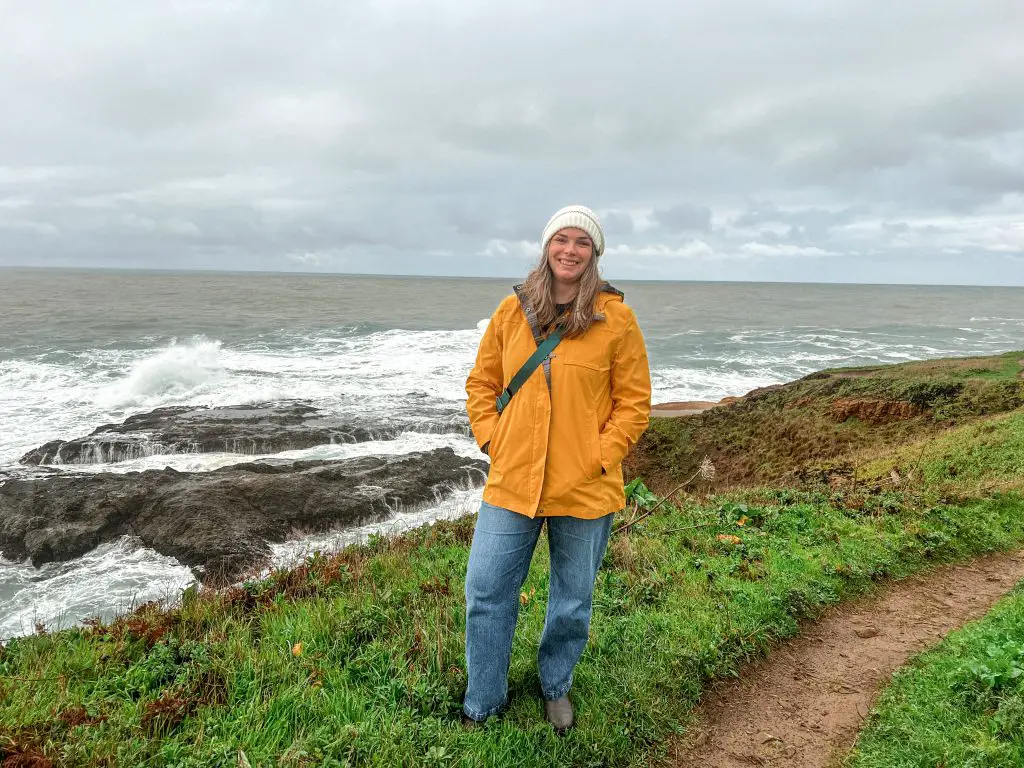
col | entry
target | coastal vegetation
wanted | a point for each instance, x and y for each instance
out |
(831, 422)
(821, 489)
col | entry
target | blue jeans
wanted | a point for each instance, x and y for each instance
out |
(499, 561)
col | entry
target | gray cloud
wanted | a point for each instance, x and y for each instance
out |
(683, 217)
(844, 141)
(618, 224)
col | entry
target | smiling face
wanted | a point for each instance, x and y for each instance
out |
(569, 253)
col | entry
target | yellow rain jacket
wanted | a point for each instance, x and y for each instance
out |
(560, 452)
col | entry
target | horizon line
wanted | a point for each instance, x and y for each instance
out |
(230, 271)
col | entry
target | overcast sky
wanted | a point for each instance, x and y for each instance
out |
(819, 140)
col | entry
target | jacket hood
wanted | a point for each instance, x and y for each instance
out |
(608, 294)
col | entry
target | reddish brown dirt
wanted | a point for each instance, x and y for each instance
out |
(873, 411)
(803, 706)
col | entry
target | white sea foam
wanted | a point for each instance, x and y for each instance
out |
(706, 383)
(407, 442)
(105, 582)
(177, 372)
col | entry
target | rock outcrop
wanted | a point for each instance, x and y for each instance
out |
(248, 429)
(219, 522)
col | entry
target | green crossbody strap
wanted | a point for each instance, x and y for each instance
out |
(543, 350)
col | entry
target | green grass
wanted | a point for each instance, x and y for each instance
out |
(965, 460)
(357, 658)
(960, 704)
(379, 676)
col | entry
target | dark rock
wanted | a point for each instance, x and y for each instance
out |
(247, 429)
(219, 522)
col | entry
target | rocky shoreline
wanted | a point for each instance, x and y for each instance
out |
(244, 429)
(220, 523)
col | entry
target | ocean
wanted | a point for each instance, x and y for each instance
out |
(82, 348)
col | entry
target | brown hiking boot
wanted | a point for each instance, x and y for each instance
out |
(559, 713)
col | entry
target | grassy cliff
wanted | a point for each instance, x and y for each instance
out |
(821, 488)
(831, 420)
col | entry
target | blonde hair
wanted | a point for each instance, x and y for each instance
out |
(539, 290)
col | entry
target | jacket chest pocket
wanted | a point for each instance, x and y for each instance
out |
(587, 366)
(586, 377)
(593, 352)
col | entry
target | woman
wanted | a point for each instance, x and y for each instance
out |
(556, 454)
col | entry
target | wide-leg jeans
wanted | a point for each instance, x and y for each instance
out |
(499, 561)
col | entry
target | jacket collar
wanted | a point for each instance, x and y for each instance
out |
(608, 293)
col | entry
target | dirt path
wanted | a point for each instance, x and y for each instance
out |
(803, 706)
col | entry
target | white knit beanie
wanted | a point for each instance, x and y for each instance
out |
(580, 217)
